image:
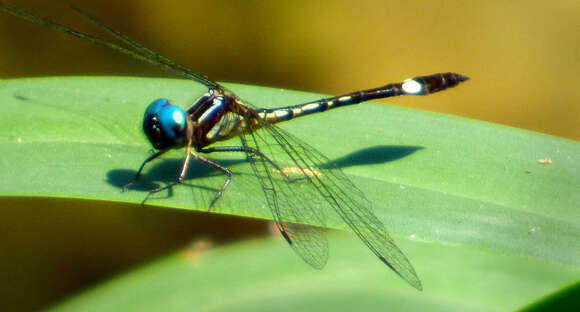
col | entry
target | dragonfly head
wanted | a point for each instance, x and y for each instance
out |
(164, 124)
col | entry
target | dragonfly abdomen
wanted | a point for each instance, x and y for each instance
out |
(422, 85)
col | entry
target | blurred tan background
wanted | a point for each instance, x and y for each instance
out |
(523, 56)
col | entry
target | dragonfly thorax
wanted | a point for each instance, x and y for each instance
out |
(164, 124)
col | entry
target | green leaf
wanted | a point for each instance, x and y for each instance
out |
(263, 275)
(565, 299)
(447, 183)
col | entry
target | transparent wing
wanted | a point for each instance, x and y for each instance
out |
(301, 184)
(291, 200)
(136, 50)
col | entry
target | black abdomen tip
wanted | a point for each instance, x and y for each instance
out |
(454, 78)
(439, 82)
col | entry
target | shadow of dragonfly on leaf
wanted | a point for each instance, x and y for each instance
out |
(209, 180)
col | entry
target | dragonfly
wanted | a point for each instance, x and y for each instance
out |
(301, 185)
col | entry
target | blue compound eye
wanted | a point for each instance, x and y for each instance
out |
(164, 124)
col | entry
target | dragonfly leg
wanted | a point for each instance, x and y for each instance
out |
(245, 149)
(150, 158)
(216, 166)
(254, 151)
(159, 189)
(181, 174)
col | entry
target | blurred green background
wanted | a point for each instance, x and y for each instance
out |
(522, 57)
